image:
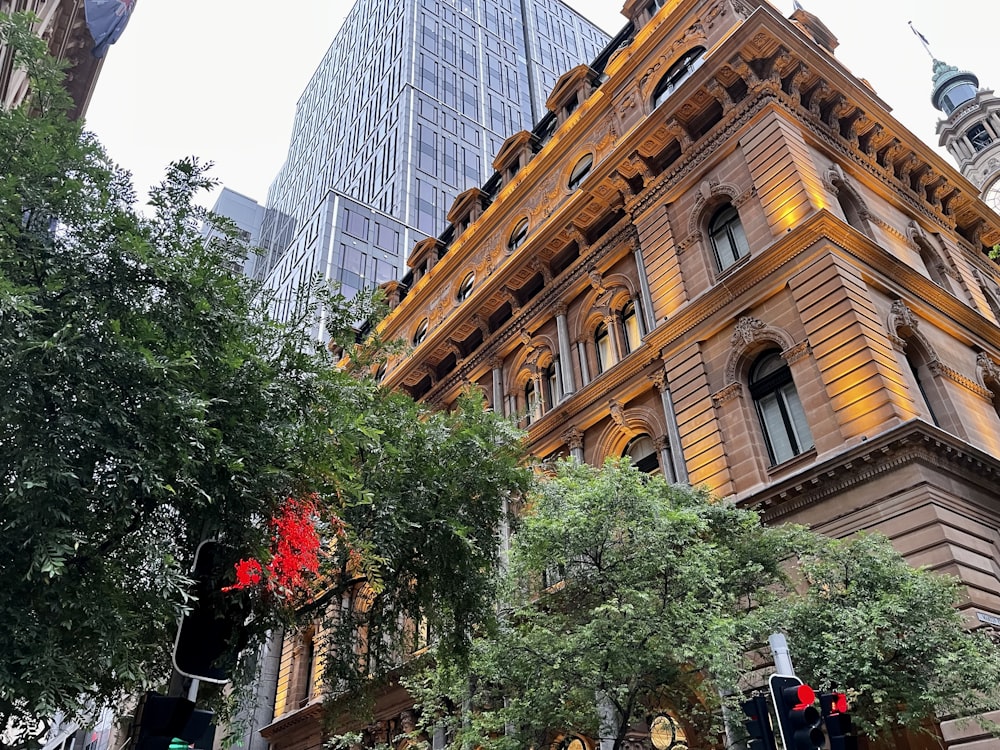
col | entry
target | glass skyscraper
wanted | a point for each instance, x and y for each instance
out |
(406, 110)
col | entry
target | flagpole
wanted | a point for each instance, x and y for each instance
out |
(923, 40)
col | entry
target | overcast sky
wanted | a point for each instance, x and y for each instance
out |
(219, 79)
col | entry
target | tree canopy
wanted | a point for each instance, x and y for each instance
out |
(151, 402)
(628, 598)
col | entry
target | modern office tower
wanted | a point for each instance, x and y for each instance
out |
(730, 262)
(406, 109)
(247, 214)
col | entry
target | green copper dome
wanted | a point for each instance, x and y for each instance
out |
(952, 87)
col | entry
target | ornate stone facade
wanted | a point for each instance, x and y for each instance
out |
(64, 26)
(757, 236)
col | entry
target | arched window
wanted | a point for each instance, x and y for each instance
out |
(551, 384)
(923, 376)
(602, 342)
(677, 74)
(852, 208)
(728, 239)
(530, 400)
(305, 664)
(465, 288)
(932, 263)
(518, 235)
(782, 419)
(421, 332)
(642, 451)
(631, 328)
(581, 170)
(979, 137)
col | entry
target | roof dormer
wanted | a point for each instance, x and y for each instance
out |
(641, 12)
(514, 155)
(572, 90)
(468, 207)
(425, 254)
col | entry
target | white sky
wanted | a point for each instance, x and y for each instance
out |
(219, 79)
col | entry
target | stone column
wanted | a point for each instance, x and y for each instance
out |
(581, 349)
(673, 436)
(497, 365)
(645, 303)
(574, 439)
(566, 378)
(615, 335)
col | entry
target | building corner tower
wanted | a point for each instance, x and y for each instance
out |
(970, 129)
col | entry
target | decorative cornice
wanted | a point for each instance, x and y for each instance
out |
(912, 442)
(310, 714)
(940, 368)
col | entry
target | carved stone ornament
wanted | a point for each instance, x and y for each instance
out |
(797, 352)
(617, 412)
(731, 391)
(408, 721)
(537, 264)
(901, 316)
(659, 380)
(989, 369)
(721, 95)
(747, 331)
(573, 438)
(597, 281)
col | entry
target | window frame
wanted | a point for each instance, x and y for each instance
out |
(518, 235)
(716, 227)
(420, 334)
(466, 287)
(578, 174)
(677, 73)
(643, 464)
(531, 402)
(603, 334)
(630, 312)
(774, 395)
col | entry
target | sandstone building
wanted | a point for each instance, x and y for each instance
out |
(720, 254)
(63, 25)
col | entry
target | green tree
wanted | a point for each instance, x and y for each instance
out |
(628, 598)
(888, 634)
(150, 402)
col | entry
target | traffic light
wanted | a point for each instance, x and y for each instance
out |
(798, 718)
(213, 633)
(172, 724)
(839, 729)
(758, 724)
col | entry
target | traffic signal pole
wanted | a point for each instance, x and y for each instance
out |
(782, 656)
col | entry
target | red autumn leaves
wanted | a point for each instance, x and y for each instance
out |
(295, 552)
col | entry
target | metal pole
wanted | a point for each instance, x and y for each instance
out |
(782, 657)
(193, 690)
